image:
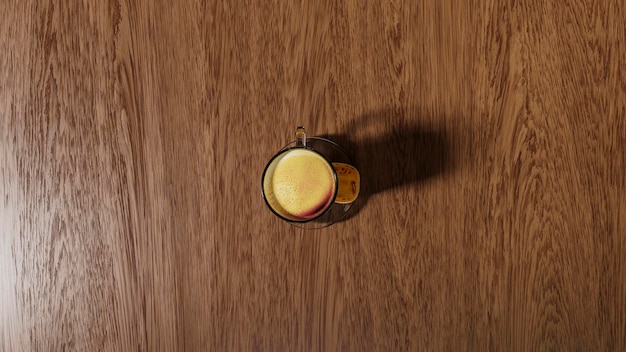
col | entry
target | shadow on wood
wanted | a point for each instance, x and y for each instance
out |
(405, 154)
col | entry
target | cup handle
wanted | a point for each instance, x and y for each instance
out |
(300, 137)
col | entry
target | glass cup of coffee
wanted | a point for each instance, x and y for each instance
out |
(304, 180)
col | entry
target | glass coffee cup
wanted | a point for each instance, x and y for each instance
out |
(310, 182)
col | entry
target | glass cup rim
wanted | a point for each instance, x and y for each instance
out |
(335, 181)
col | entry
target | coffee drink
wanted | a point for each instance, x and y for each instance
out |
(299, 184)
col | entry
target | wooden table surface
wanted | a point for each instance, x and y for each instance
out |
(490, 135)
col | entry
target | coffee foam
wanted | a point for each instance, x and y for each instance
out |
(300, 184)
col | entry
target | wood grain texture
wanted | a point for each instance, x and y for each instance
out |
(491, 137)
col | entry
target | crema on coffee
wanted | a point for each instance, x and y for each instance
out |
(299, 184)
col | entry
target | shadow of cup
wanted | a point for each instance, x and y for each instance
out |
(405, 155)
